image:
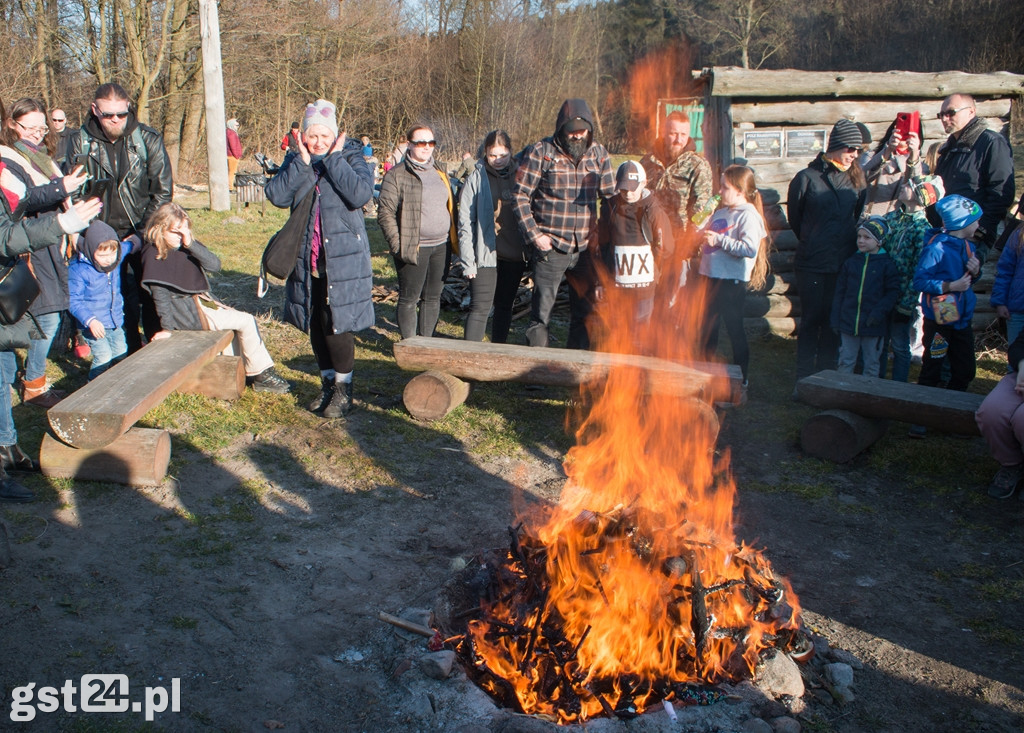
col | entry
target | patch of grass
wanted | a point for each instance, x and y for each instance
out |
(808, 491)
(1004, 591)
(154, 565)
(183, 622)
(994, 631)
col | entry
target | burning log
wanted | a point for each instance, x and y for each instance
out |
(631, 590)
(536, 651)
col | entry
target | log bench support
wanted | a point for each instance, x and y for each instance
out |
(95, 439)
(839, 435)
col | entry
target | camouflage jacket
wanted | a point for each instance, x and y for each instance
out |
(904, 243)
(683, 188)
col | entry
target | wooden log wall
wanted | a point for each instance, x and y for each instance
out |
(778, 309)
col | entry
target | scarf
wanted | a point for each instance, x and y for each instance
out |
(180, 270)
(502, 173)
(38, 158)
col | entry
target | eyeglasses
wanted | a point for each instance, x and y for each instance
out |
(423, 143)
(42, 129)
(950, 112)
(112, 115)
(853, 150)
(57, 119)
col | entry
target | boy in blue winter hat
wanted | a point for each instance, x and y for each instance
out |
(94, 287)
(867, 287)
(944, 275)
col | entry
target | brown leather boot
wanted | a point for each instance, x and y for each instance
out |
(38, 393)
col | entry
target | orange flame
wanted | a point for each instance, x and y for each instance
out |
(642, 582)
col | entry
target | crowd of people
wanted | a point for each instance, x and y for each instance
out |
(889, 246)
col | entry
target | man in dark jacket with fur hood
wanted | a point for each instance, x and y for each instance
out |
(113, 145)
(976, 163)
(557, 186)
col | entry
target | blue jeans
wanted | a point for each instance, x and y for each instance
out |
(899, 338)
(35, 360)
(106, 351)
(8, 366)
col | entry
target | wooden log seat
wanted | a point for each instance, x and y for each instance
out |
(487, 362)
(101, 411)
(937, 409)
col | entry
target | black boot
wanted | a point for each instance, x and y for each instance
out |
(324, 398)
(11, 490)
(341, 400)
(13, 458)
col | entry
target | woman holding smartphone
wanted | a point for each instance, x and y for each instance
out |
(26, 149)
(897, 159)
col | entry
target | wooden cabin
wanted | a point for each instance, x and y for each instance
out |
(777, 121)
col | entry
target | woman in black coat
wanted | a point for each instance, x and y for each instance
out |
(824, 202)
(329, 293)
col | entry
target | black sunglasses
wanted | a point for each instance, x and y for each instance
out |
(112, 115)
(422, 143)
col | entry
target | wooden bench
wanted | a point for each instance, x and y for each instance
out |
(856, 407)
(440, 389)
(94, 425)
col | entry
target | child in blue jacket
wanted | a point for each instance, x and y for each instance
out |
(94, 286)
(1008, 289)
(867, 288)
(944, 275)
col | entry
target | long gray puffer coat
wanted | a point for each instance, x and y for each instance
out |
(346, 184)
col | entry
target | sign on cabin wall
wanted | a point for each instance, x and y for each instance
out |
(804, 143)
(762, 145)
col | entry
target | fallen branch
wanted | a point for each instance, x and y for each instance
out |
(406, 625)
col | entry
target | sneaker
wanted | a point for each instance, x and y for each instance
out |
(269, 381)
(1004, 483)
(917, 431)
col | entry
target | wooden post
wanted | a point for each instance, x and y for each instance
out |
(213, 84)
(137, 458)
(838, 435)
(432, 395)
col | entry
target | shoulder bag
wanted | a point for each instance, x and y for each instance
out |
(18, 288)
(283, 248)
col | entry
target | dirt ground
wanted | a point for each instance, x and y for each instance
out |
(255, 577)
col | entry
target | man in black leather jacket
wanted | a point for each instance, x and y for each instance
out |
(131, 173)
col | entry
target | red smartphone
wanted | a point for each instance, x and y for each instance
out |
(906, 122)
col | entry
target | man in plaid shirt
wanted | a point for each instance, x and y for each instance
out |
(556, 190)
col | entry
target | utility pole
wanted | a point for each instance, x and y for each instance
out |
(213, 84)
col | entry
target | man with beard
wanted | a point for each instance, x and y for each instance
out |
(682, 180)
(976, 163)
(130, 171)
(556, 190)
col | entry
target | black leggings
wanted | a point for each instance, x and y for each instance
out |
(335, 351)
(421, 285)
(495, 286)
(725, 305)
